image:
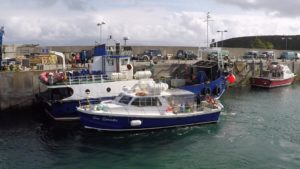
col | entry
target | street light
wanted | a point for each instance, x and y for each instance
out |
(222, 31)
(286, 39)
(100, 30)
(125, 39)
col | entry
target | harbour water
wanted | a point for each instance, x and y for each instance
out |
(259, 128)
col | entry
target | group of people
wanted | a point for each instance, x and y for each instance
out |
(79, 58)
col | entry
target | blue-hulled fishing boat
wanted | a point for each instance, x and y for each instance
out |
(109, 72)
(148, 106)
(206, 78)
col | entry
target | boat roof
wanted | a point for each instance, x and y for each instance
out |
(169, 92)
(178, 92)
(205, 64)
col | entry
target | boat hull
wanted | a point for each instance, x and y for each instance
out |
(66, 110)
(270, 83)
(215, 88)
(121, 123)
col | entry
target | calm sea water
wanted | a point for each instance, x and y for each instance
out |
(258, 129)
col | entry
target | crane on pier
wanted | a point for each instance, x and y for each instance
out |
(1, 39)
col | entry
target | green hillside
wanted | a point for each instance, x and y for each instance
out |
(266, 42)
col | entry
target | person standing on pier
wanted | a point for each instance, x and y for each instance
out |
(1, 38)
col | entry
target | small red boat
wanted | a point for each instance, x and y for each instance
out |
(275, 76)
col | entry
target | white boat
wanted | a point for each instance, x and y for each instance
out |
(147, 106)
(109, 72)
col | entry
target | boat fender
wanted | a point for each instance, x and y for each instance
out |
(169, 109)
(217, 90)
(135, 123)
(206, 91)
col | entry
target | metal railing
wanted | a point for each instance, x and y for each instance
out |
(84, 79)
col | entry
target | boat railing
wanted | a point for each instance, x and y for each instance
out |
(83, 79)
(190, 108)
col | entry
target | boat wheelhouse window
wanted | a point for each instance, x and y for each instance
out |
(125, 99)
(146, 101)
(277, 74)
(124, 61)
(156, 101)
(110, 62)
(136, 102)
(177, 100)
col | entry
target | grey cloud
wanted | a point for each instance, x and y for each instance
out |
(69, 4)
(45, 3)
(76, 4)
(278, 7)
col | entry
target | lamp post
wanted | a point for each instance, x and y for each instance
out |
(286, 40)
(222, 31)
(125, 39)
(100, 31)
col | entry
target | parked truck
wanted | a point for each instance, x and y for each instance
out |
(213, 55)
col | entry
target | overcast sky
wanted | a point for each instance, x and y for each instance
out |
(144, 22)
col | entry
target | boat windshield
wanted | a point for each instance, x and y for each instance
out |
(125, 99)
(146, 101)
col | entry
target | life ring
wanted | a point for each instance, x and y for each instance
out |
(129, 67)
(217, 90)
(206, 91)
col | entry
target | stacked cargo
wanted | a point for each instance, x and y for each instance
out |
(46, 59)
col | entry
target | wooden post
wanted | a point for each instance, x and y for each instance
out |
(253, 68)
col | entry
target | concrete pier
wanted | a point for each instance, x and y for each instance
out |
(17, 89)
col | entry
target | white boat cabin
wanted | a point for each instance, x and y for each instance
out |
(112, 61)
(277, 71)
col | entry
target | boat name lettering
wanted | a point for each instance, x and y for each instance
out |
(108, 119)
(96, 118)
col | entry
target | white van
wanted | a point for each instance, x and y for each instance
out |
(267, 55)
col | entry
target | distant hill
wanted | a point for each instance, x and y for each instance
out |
(271, 42)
